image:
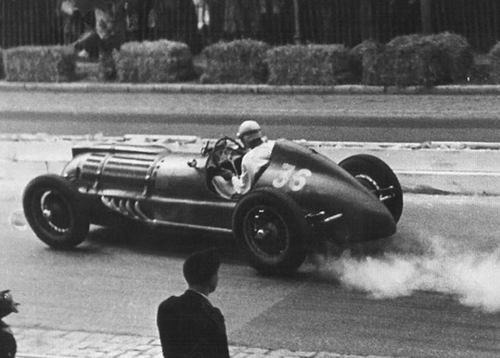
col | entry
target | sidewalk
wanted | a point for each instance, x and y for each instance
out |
(39, 343)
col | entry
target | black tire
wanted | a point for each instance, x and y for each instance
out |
(55, 212)
(269, 230)
(373, 173)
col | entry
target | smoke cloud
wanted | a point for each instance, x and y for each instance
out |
(472, 277)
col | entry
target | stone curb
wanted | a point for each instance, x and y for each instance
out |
(241, 89)
(40, 343)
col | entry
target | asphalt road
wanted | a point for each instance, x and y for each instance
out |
(433, 292)
(373, 118)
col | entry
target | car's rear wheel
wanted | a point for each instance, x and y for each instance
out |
(269, 230)
(375, 175)
(55, 213)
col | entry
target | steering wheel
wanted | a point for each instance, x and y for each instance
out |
(225, 153)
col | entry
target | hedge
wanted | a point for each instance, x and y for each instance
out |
(416, 60)
(159, 61)
(39, 64)
(2, 72)
(308, 65)
(240, 61)
(362, 56)
(494, 56)
(422, 61)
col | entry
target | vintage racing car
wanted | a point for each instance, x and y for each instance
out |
(301, 198)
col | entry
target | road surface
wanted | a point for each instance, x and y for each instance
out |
(372, 118)
(434, 291)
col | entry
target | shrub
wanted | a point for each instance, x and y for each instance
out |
(240, 61)
(457, 53)
(2, 72)
(39, 64)
(362, 56)
(494, 67)
(158, 61)
(422, 61)
(480, 72)
(308, 65)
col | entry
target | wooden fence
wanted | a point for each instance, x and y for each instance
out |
(36, 22)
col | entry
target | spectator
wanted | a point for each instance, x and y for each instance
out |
(189, 325)
(8, 346)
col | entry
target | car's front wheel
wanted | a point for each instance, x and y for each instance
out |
(269, 230)
(55, 213)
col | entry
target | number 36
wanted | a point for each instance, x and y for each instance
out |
(296, 179)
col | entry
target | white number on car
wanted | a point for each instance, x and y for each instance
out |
(296, 179)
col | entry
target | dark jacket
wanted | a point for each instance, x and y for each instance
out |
(8, 345)
(190, 326)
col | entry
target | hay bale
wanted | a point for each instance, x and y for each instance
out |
(362, 56)
(494, 65)
(240, 62)
(153, 62)
(39, 64)
(2, 71)
(308, 65)
(418, 60)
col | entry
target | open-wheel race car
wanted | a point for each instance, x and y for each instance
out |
(300, 199)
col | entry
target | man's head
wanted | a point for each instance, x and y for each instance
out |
(250, 134)
(201, 269)
(7, 303)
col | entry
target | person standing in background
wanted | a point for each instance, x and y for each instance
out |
(189, 326)
(8, 346)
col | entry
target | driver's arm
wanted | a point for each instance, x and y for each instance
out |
(242, 183)
(226, 174)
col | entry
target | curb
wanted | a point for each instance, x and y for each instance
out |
(66, 344)
(194, 88)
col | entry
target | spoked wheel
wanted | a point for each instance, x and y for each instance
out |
(52, 208)
(269, 229)
(375, 175)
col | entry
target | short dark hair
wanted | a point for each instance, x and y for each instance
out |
(201, 266)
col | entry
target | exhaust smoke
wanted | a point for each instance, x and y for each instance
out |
(472, 277)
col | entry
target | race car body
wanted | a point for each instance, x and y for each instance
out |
(299, 199)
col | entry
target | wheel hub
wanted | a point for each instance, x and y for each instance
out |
(267, 232)
(260, 234)
(54, 212)
(47, 214)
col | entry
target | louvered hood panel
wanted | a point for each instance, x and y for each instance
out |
(102, 172)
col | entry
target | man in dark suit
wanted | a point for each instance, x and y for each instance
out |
(189, 325)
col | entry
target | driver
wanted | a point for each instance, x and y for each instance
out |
(255, 159)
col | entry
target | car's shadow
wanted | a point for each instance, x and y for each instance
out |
(179, 244)
(163, 242)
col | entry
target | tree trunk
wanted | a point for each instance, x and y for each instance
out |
(426, 16)
(366, 20)
(298, 33)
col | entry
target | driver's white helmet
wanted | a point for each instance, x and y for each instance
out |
(249, 131)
